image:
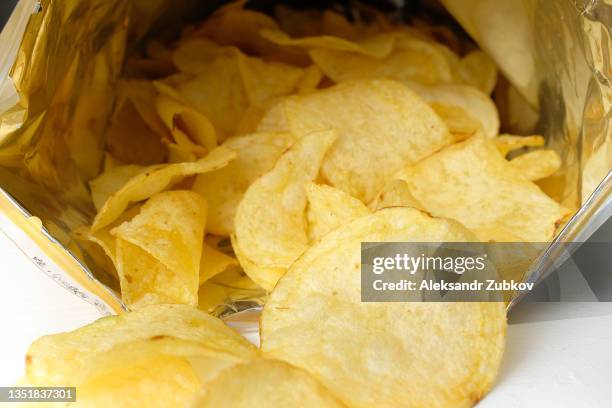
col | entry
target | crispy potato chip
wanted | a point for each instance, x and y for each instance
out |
(103, 186)
(537, 164)
(129, 137)
(395, 194)
(159, 250)
(460, 123)
(57, 359)
(378, 46)
(271, 229)
(142, 94)
(310, 79)
(476, 104)
(223, 189)
(214, 262)
(411, 60)
(369, 149)
(238, 27)
(473, 184)
(110, 162)
(478, 70)
(382, 354)
(227, 289)
(266, 384)
(191, 130)
(329, 208)
(299, 23)
(506, 143)
(156, 179)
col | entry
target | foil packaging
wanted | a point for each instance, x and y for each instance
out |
(60, 61)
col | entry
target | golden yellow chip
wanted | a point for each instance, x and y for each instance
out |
(506, 143)
(460, 123)
(478, 70)
(271, 229)
(107, 183)
(310, 79)
(382, 354)
(412, 59)
(266, 384)
(537, 164)
(329, 208)
(223, 189)
(156, 179)
(382, 126)
(476, 104)
(238, 27)
(472, 183)
(378, 46)
(58, 359)
(396, 193)
(159, 250)
(214, 262)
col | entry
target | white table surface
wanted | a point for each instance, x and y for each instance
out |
(565, 362)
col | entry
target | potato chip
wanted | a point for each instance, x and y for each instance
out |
(412, 59)
(223, 189)
(506, 143)
(473, 184)
(159, 250)
(103, 186)
(228, 288)
(191, 130)
(478, 70)
(129, 137)
(271, 229)
(156, 179)
(110, 162)
(214, 262)
(336, 25)
(476, 104)
(142, 94)
(329, 208)
(378, 46)
(299, 23)
(382, 126)
(57, 359)
(460, 123)
(382, 354)
(310, 79)
(266, 384)
(238, 27)
(537, 164)
(395, 194)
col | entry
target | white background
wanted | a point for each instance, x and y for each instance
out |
(548, 363)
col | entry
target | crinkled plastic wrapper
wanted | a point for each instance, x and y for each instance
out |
(62, 59)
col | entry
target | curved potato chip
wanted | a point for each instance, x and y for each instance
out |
(54, 360)
(506, 143)
(369, 149)
(310, 79)
(103, 186)
(156, 179)
(411, 60)
(395, 194)
(271, 229)
(266, 384)
(475, 103)
(390, 353)
(238, 27)
(478, 70)
(537, 164)
(472, 183)
(378, 46)
(223, 189)
(328, 208)
(191, 130)
(214, 262)
(159, 250)
(459, 122)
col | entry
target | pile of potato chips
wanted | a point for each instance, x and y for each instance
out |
(245, 163)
